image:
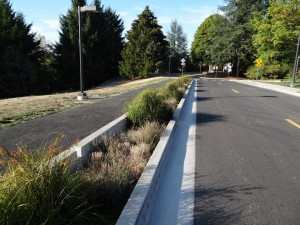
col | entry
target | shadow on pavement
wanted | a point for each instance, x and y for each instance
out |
(208, 118)
(216, 204)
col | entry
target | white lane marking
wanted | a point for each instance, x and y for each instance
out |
(235, 91)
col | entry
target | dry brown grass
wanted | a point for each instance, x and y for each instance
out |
(17, 110)
(120, 160)
(148, 134)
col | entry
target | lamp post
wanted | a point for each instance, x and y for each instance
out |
(200, 64)
(296, 58)
(170, 56)
(81, 95)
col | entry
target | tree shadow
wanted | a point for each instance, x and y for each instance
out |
(208, 118)
(216, 204)
(200, 90)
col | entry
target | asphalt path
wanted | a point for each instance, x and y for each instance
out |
(75, 124)
(247, 155)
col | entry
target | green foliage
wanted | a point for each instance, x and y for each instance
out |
(266, 72)
(145, 49)
(33, 191)
(173, 90)
(276, 36)
(146, 106)
(102, 43)
(240, 47)
(20, 54)
(152, 105)
(210, 43)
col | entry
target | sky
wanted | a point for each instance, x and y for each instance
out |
(44, 14)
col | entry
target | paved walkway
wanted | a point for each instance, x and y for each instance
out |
(75, 124)
(274, 87)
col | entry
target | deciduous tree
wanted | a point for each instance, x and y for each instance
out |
(239, 14)
(210, 43)
(275, 38)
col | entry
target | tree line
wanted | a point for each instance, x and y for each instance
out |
(248, 30)
(28, 65)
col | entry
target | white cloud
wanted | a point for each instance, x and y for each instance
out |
(164, 20)
(53, 24)
(51, 34)
(124, 13)
(199, 10)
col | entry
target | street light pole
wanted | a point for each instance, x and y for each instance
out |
(200, 64)
(81, 95)
(296, 64)
(170, 56)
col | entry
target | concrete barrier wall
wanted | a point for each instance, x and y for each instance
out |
(82, 149)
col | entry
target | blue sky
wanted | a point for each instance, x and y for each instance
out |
(44, 14)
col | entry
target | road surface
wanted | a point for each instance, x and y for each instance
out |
(247, 155)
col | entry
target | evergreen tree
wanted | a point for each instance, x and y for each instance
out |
(177, 39)
(146, 47)
(101, 42)
(178, 44)
(20, 54)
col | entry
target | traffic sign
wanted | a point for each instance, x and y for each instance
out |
(183, 60)
(183, 64)
(258, 62)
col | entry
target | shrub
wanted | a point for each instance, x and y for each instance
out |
(147, 106)
(268, 72)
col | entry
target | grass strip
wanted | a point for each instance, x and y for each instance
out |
(285, 84)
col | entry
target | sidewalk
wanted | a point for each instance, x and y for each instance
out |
(274, 87)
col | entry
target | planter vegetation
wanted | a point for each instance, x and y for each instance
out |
(35, 192)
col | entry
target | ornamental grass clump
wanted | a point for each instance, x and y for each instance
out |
(147, 106)
(33, 191)
(148, 134)
(117, 165)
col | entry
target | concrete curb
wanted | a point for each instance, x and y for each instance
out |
(139, 206)
(82, 150)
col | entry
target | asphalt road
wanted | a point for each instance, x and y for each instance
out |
(75, 124)
(247, 155)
